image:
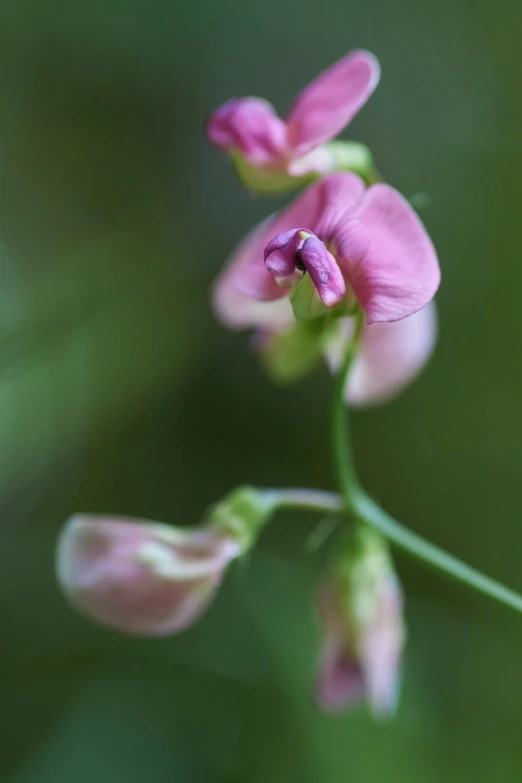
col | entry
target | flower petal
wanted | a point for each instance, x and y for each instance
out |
(140, 577)
(250, 125)
(381, 651)
(387, 256)
(339, 678)
(323, 270)
(281, 257)
(390, 356)
(331, 100)
(238, 309)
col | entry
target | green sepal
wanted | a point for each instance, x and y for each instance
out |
(275, 181)
(293, 354)
(266, 181)
(351, 156)
(243, 513)
(306, 302)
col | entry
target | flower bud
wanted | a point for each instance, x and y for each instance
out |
(360, 609)
(152, 579)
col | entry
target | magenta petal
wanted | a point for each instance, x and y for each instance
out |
(280, 256)
(331, 100)
(250, 125)
(387, 256)
(324, 271)
(280, 242)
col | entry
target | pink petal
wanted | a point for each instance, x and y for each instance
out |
(239, 310)
(381, 651)
(331, 100)
(390, 356)
(140, 577)
(388, 257)
(250, 125)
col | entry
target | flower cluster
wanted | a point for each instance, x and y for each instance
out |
(339, 247)
(346, 269)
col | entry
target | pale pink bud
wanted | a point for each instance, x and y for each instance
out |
(142, 577)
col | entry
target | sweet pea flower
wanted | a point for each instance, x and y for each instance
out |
(367, 242)
(152, 579)
(269, 151)
(142, 577)
(360, 611)
(350, 244)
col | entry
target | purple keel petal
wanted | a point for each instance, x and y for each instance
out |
(252, 126)
(281, 256)
(387, 256)
(331, 100)
(323, 270)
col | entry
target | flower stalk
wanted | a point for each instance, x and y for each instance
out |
(358, 506)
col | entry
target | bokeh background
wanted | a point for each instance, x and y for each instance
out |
(119, 392)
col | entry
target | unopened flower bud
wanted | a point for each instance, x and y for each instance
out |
(360, 609)
(153, 579)
(141, 577)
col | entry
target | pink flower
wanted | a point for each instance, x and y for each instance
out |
(360, 611)
(367, 241)
(354, 242)
(142, 577)
(251, 127)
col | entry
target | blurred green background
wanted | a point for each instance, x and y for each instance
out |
(119, 392)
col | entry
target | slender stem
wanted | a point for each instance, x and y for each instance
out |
(365, 510)
(344, 463)
(308, 499)
(368, 511)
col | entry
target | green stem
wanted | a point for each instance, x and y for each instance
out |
(344, 463)
(365, 510)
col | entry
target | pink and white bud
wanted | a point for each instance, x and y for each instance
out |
(360, 609)
(141, 577)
